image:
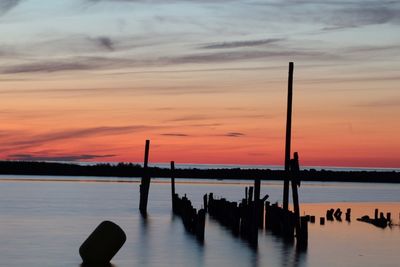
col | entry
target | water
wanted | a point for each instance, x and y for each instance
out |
(43, 222)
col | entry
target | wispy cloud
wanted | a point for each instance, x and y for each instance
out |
(6, 5)
(41, 139)
(239, 44)
(82, 63)
(31, 157)
(389, 102)
(234, 134)
(190, 118)
(46, 67)
(105, 42)
(175, 134)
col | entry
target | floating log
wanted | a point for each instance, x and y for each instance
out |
(145, 182)
(102, 244)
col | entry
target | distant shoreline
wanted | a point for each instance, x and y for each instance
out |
(135, 170)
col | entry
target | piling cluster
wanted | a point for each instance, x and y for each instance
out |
(283, 222)
(193, 220)
(379, 219)
(241, 218)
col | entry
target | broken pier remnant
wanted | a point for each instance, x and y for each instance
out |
(145, 182)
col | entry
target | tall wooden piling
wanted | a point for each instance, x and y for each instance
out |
(145, 182)
(172, 183)
(288, 137)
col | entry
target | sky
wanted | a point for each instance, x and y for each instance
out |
(205, 81)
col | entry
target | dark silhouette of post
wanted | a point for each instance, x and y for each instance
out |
(172, 183)
(288, 138)
(294, 170)
(145, 182)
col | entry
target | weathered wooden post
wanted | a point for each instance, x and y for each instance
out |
(145, 182)
(294, 171)
(302, 239)
(205, 204)
(255, 220)
(288, 138)
(250, 199)
(259, 203)
(389, 217)
(173, 184)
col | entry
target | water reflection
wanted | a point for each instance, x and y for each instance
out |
(291, 255)
(143, 248)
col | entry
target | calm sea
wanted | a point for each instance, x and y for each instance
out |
(44, 220)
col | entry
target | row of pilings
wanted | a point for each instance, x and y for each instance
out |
(246, 218)
(193, 220)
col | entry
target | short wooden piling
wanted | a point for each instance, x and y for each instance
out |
(312, 219)
(205, 205)
(145, 182)
(338, 214)
(295, 168)
(376, 214)
(250, 199)
(302, 239)
(348, 215)
(389, 217)
(322, 220)
(172, 183)
(259, 205)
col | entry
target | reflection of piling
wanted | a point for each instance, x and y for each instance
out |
(145, 182)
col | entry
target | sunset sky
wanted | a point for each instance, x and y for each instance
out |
(206, 81)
